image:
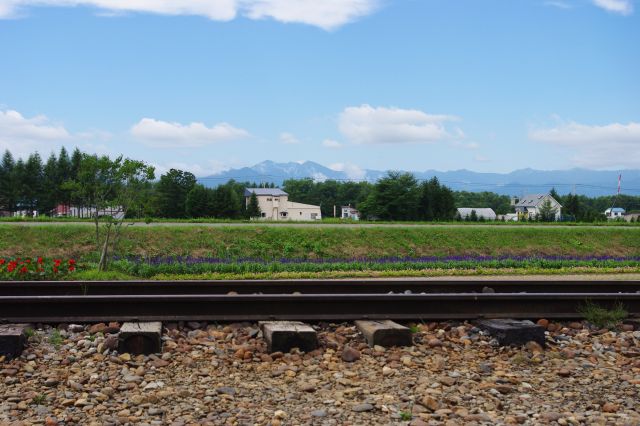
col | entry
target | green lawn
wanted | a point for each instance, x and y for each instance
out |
(324, 243)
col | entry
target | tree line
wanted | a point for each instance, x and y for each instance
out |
(84, 180)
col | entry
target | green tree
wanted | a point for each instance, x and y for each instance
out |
(95, 186)
(109, 188)
(572, 206)
(226, 203)
(394, 197)
(8, 189)
(31, 183)
(198, 202)
(171, 193)
(50, 189)
(436, 201)
(253, 209)
(547, 212)
(64, 174)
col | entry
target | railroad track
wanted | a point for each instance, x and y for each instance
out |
(313, 300)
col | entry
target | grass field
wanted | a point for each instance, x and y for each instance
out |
(324, 221)
(270, 243)
(265, 252)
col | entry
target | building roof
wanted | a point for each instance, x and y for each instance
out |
(274, 192)
(481, 211)
(615, 210)
(534, 200)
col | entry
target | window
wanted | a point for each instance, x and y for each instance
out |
(269, 199)
(263, 214)
(283, 214)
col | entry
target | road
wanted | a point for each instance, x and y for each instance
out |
(326, 225)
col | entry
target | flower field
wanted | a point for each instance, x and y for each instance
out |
(150, 267)
(32, 269)
(287, 252)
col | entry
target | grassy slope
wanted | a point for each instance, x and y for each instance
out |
(271, 242)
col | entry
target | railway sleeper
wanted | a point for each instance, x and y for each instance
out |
(140, 338)
(513, 332)
(13, 338)
(385, 333)
(282, 336)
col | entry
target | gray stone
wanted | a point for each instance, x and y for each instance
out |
(385, 333)
(282, 336)
(513, 332)
(12, 340)
(360, 408)
(140, 338)
(318, 413)
(350, 354)
(226, 390)
(75, 328)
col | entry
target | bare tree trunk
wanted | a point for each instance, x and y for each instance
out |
(102, 266)
(97, 222)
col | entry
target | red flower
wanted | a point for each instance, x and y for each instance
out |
(57, 262)
(55, 269)
(72, 268)
(2, 261)
(72, 262)
(28, 260)
(23, 270)
(40, 260)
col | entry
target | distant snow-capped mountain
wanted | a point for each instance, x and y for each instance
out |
(518, 182)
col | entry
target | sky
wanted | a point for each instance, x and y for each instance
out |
(209, 85)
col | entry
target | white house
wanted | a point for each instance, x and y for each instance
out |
(481, 212)
(275, 205)
(529, 206)
(349, 212)
(614, 213)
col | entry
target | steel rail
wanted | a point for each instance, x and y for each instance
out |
(314, 307)
(344, 286)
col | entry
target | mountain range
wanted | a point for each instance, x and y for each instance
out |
(519, 182)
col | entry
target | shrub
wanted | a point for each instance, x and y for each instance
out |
(602, 317)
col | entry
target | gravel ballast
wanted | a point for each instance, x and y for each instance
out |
(212, 374)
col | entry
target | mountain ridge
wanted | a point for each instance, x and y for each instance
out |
(518, 182)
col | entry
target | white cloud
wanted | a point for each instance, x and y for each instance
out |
(330, 143)
(481, 158)
(14, 126)
(326, 14)
(22, 135)
(212, 167)
(558, 4)
(319, 177)
(164, 134)
(288, 138)
(352, 171)
(622, 7)
(606, 146)
(365, 124)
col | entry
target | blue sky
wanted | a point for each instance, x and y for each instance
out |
(487, 85)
